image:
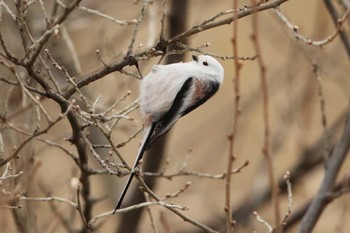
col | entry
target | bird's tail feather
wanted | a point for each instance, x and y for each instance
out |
(148, 132)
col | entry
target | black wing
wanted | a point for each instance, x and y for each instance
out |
(174, 112)
(203, 91)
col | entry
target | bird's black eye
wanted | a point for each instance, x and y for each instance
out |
(205, 63)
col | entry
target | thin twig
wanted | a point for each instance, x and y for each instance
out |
(151, 217)
(11, 176)
(53, 198)
(265, 223)
(327, 147)
(236, 115)
(2, 151)
(162, 22)
(228, 20)
(123, 210)
(108, 17)
(184, 172)
(8, 10)
(34, 50)
(199, 49)
(71, 49)
(9, 55)
(295, 29)
(98, 158)
(119, 65)
(137, 26)
(335, 17)
(290, 197)
(174, 208)
(30, 138)
(177, 193)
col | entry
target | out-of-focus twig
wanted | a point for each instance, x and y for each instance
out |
(266, 119)
(323, 110)
(332, 169)
(235, 114)
(295, 29)
(335, 17)
(52, 198)
(290, 197)
(340, 188)
(34, 50)
(30, 138)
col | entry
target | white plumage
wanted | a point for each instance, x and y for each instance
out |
(171, 91)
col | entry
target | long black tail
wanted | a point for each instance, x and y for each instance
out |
(148, 132)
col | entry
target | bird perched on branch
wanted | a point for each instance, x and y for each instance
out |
(171, 91)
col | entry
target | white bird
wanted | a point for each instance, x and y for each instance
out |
(171, 91)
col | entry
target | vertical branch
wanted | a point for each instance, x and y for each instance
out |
(177, 25)
(236, 113)
(265, 92)
(137, 26)
(22, 8)
(327, 147)
(77, 140)
(162, 36)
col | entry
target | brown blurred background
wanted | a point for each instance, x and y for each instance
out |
(199, 140)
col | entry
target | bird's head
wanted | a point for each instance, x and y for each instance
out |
(210, 66)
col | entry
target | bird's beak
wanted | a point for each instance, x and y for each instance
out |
(195, 58)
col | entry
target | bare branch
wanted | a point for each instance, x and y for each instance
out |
(327, 147)
(11, 176)
(335, 17)
(266, 119)
(261, 220)
(290, 197)
(126, 61)
(108, 17)
(35, 134)
(332, 169)
(295, 29)
(58, 199)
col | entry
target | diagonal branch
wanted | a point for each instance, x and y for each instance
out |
(335, 17)
(34, 50)
(133, 58)
(332, 169)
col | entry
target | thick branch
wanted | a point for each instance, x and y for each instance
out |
(131, 60)
(332, 168)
